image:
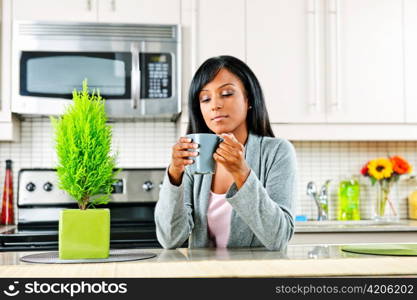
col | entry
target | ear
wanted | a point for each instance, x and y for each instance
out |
(247, 101)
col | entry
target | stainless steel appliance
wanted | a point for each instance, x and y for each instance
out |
(137, 67)
(39, 202)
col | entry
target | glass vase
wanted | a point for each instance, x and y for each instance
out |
(386, 205)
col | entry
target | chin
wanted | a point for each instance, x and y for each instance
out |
(221, 129)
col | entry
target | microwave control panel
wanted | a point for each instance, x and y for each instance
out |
(156, 75)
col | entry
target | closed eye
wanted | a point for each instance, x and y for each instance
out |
(204, 100)
(227, 95)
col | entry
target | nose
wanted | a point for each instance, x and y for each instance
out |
(216, 103)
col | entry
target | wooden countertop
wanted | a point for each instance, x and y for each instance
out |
(296, 261)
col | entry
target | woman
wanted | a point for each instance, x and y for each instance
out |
(248, 202)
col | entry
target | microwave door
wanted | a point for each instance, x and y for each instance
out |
(48, 78)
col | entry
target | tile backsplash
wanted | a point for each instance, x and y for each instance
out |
(148, 144)
(319, 161)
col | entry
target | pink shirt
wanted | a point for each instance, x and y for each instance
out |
(218, 216)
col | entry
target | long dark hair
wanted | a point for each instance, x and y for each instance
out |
(257, 119)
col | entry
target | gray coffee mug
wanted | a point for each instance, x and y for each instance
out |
(204, 162)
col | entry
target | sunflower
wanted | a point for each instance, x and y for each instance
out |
(380, 168)
(400, 165)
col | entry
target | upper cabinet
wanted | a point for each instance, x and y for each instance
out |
(285, 51)
(52, 10)
(328, 61)
(121, 11)
(140, 11)
(9, 125)
(219, 28)
(365, 82)
(410, 40)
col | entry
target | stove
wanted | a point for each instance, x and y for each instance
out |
(39, 202)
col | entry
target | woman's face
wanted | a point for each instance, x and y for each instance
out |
(224, 104)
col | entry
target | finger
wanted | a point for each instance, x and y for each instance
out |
(218, 158)
(231, 148)
(229, 138)
(225, 153)
(231, 158)
(181, 154)
(181, 146)
(184, 139)
(188, 161)
(184, 162)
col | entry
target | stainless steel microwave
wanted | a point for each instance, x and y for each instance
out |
(136, 67)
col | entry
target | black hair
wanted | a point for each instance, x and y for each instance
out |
(257, 119)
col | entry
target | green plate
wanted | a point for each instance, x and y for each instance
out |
(383, 249)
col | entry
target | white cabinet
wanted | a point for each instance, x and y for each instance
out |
(219, 29)
(410, 40)
(365, 59)
(9, 125)
(140, 11)
(209, 28)
(284, 50)
(120, 11)
(53, 10)
(328, 61)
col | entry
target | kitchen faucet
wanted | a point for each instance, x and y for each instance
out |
(321, 199)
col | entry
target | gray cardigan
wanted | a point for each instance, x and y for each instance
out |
(262, 207)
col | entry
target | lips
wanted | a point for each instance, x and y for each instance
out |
(219, 118)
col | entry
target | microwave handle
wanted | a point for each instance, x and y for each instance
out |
(135, 75)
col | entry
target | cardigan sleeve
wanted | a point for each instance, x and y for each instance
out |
(267, 210)
(173, 212)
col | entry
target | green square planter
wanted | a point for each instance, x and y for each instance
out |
(84, 233)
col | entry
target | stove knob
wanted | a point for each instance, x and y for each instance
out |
(48, 186)
(147, 186)
(160, 185)
(30, 187)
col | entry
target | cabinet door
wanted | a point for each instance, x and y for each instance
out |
(365, 61)
(53, 10)
(410, 59)
(9, 125)
(220, 29)
(140, 11)
(285, 50)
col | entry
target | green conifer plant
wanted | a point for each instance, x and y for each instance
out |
(83, 146)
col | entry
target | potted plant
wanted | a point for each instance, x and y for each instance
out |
(86, 171)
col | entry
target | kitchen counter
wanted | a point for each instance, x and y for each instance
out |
(336, 226)
(355, 226)
(295, 261)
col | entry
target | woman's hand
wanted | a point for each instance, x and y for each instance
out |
(180, 159)
(230, 154)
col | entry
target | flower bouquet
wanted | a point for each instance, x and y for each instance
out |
(385, 172)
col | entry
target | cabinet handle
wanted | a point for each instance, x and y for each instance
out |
(313, 53)
(113, 5)
(89, 6)
(334, 32)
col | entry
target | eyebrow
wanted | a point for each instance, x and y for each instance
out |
(223, 85)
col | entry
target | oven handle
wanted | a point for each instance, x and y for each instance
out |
(135, 75)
